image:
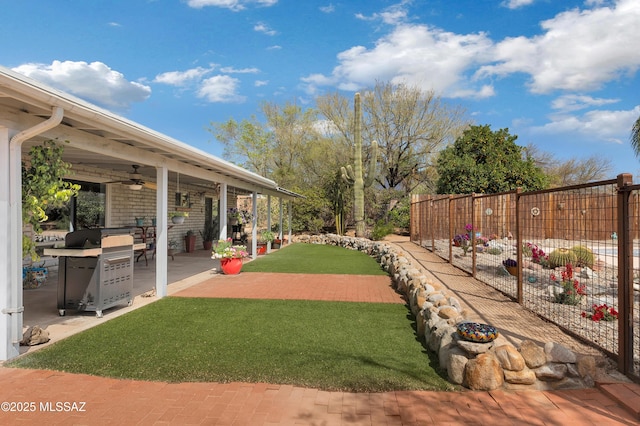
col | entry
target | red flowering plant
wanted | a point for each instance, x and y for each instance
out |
(601, 313)
(538, 255)
(572, 290)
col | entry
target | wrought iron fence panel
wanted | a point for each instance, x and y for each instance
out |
(577, 251)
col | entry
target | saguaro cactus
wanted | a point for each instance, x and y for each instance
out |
(354, 175)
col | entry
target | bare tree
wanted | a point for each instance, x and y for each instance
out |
(411, 126)
(573, 171)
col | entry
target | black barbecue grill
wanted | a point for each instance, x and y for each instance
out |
(95, 270)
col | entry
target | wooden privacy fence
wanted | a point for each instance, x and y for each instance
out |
(600, 219)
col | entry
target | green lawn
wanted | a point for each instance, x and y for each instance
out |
(315, 259)
(326, 345)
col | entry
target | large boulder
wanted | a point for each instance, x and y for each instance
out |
(532, 354)
(484, 373)
(510, 359)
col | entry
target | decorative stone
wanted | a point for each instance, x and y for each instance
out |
(586, 366)
(436, 336)
(34, 335)
(509, 358)
(435, 298)
(558, 353)
(484, 373)
(532, 354)
(446, 346)
(477, 332)
(522, 377)
(420, 323)
(456, 365)
(551, 372)
(572, 370)
(455, 304)
(448, 312)
(474, 348)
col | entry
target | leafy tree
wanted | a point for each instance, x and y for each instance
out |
(484, 161)
(247, 144)
(43, 188)
(635, 137)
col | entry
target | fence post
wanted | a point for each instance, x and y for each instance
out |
(519, 241)
(473, 235)
(450, 229)
(625, 276)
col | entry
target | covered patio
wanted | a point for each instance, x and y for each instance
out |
(40, 304)
(136, 171)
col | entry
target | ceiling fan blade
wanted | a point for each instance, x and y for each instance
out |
(150, 185)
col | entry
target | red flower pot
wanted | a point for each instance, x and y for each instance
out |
(262, 248)
(231, 266)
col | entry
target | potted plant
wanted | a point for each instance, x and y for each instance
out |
(208, 235)
(511, 265)
(178, 217)
(230, 256)
(172, 246)
(268, 237)
(190, 242)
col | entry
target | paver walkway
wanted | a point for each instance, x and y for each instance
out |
(53, 398)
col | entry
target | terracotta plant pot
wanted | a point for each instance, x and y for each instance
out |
(262, 248)
(207, 245)
(190, 243)
(512, 270)
(231, 266)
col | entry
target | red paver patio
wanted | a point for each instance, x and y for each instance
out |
(252, 285)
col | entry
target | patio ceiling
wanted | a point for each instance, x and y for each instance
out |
(104, 140)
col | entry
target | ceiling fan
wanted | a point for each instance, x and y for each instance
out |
(135, 181)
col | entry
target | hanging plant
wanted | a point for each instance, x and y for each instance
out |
(43, 187)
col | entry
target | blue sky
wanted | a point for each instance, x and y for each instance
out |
(562, 75)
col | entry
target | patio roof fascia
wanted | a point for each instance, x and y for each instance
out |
(37, 94)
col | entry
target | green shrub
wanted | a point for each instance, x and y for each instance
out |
(495, 251)
(584, 256)
(380, 230)
(526, 250)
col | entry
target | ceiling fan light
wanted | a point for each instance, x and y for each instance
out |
(135, 187)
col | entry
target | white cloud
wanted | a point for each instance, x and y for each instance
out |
(569, 103)
(260, 83)
(261, 27)
(328, 9)
(234, 5)
(221, 88)
(182, 78)
(94, 82)
(514, 4)
(392, 15)
(274, 47)
(579, 50)
(231, 70)
(417, 55)
(611, 126)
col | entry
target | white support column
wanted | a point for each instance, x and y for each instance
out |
(7, 260)
(254, 225)
(162, 230)
(289, 215)
(223, 211)
(280, 218)
(268, 212)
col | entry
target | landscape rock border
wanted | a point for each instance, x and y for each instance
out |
(478, 366)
